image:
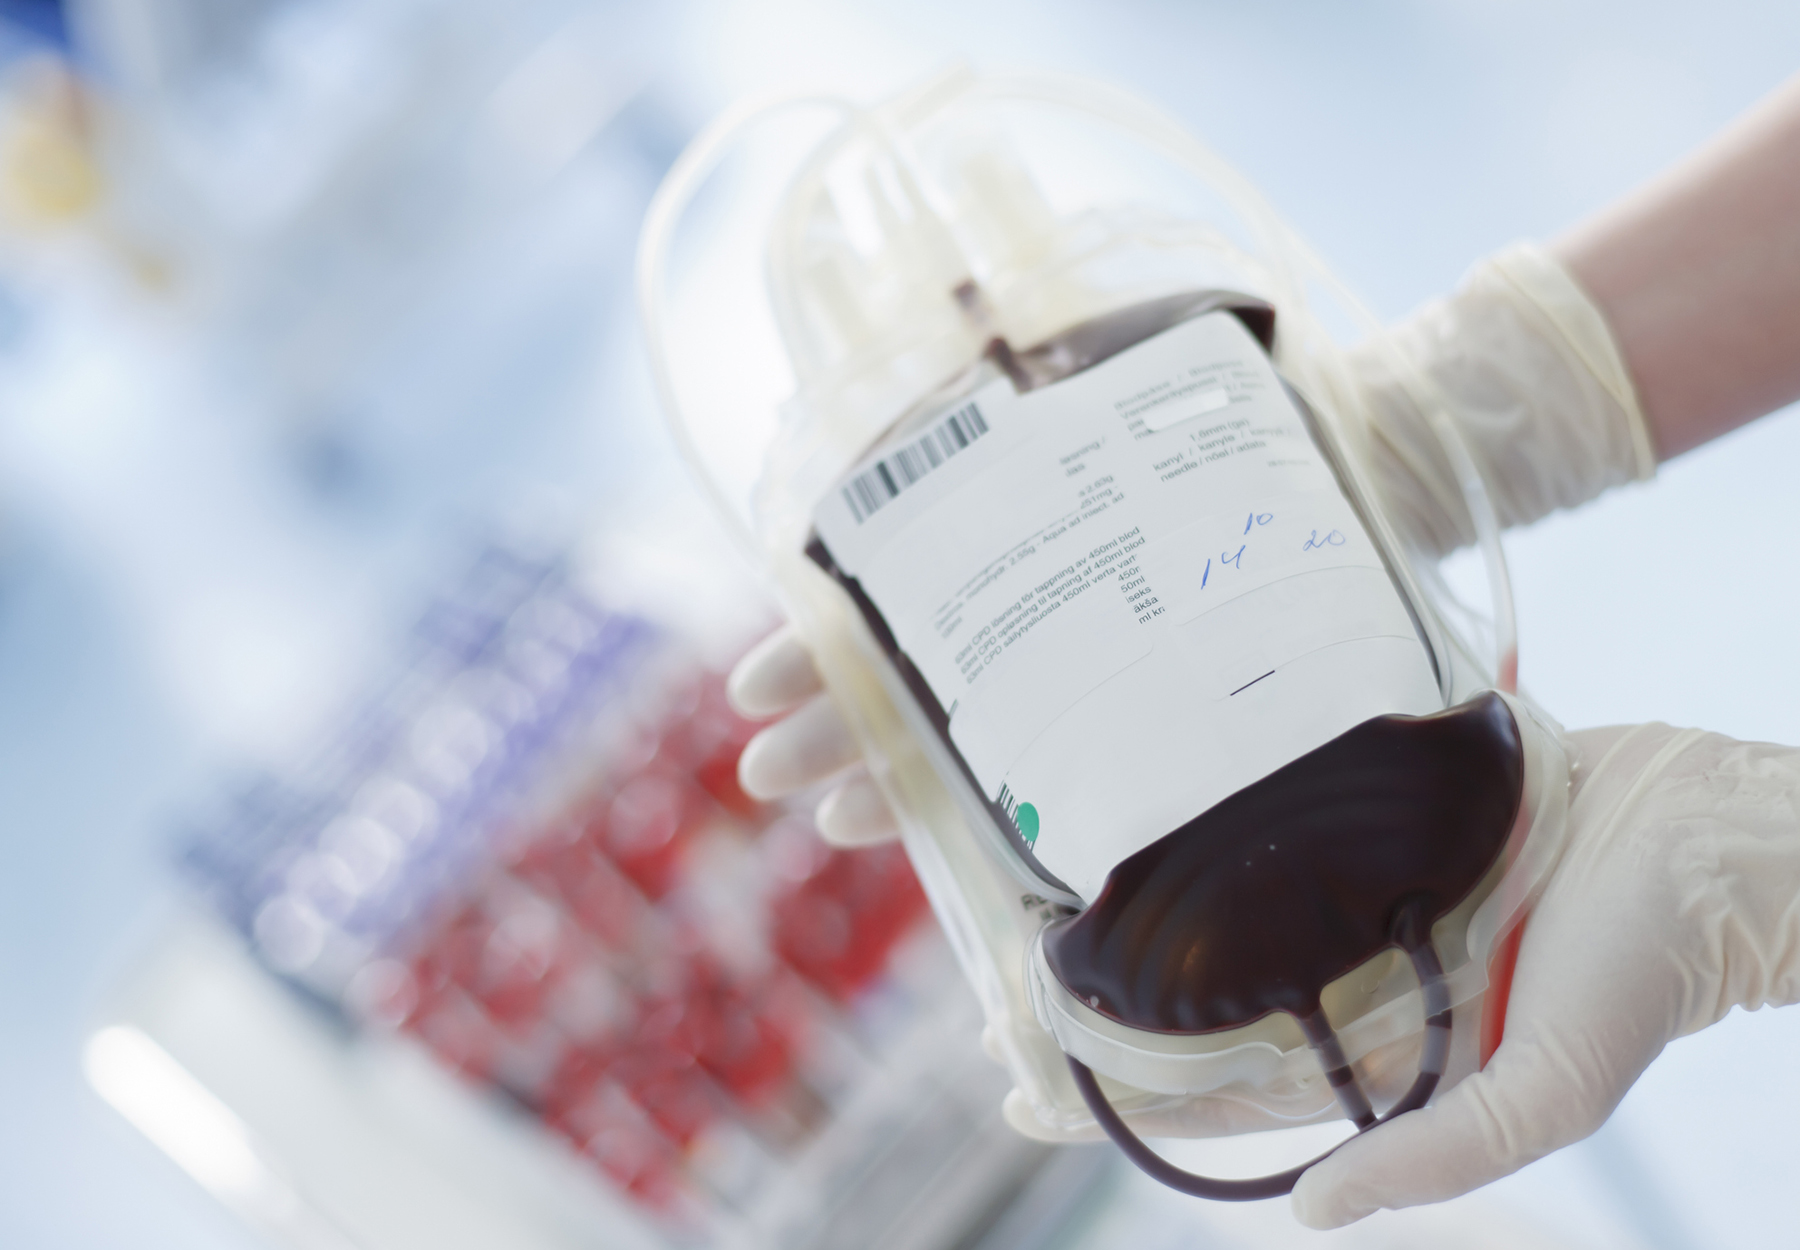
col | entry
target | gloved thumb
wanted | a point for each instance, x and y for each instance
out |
(1536, 1095)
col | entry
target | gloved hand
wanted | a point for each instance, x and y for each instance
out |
(1531, 376)
(1529, 373)
(1677, 899)
(808, 745)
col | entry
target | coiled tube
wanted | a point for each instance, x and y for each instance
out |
(1432, 1058)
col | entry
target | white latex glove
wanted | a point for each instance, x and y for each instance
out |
(1533, 381)
(810, 744)
(1677, 899)
(1532, 378)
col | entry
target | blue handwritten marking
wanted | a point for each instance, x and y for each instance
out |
(1257, 518)
(1333, 539)
(1206, 573)
(1233, 558)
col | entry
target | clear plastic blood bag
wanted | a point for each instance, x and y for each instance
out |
(1226, 811)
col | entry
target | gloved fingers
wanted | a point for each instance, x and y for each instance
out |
(1634, 941)
(1536, 1095)
(800, 750)
(855, 814)
(1578, 1033)
(774, 675)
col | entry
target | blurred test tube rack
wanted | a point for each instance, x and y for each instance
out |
(513, 957)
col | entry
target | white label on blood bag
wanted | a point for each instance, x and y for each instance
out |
(1133, 592)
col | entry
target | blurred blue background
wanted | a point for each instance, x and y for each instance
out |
(297, 298)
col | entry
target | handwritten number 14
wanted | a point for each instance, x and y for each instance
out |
(1333, 538)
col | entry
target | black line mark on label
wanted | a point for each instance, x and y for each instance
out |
(1248, 684)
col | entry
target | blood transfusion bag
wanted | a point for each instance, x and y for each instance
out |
(1209, 794)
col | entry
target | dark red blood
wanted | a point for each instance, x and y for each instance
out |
(1261, 901)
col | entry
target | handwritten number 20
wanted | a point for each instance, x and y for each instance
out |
(1333, 539)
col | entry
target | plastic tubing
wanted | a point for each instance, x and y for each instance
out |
(1292, 261)
(1433, 1055)
(667, 206)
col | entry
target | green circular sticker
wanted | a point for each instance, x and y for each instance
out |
(1027, 819)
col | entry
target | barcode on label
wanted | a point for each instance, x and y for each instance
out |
(882, 481)
(1008, 803)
